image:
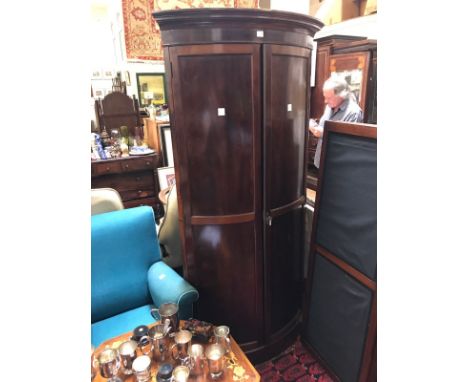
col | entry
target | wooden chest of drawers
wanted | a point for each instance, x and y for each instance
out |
(135, 178)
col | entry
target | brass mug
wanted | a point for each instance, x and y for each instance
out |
(215, 355)
(182, 342)
(142, 368)
(197, 359)
(145, 346)
(109, 363)
(181, 374)
(159, 343)
(168, 311)
(128, 353)
(140, 335)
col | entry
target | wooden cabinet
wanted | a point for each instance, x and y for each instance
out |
(239, 102)
(354, 58)
(134, 178)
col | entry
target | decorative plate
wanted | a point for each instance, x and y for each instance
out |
(145, 151)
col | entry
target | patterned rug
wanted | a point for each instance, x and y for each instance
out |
(142, 35)
(294, 364)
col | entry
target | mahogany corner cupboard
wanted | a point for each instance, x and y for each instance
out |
(239, 96)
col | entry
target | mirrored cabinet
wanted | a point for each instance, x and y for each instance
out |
(353, 68)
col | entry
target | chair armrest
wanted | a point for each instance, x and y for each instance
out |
(166, 285)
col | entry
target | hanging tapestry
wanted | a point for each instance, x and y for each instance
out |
(142, 35)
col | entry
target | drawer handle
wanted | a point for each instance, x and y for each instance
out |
(148, 163)
(107, 168)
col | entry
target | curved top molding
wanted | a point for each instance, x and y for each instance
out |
(234, 18)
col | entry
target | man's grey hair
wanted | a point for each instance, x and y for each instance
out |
(339, 86)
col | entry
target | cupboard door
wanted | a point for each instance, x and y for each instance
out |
(286, 98)
(216, 102)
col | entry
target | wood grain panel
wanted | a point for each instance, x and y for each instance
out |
(140, 164)
(213, 60)
(227, 279)
(235, 25)
(132, 177)
(218, 170)
(286, 96)
(226, 219)
(219, 148)
(285, 268)
(125, 182)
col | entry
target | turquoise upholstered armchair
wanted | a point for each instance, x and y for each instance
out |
(128, 276)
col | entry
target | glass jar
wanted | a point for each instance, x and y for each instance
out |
(124, 134)
(115, 136)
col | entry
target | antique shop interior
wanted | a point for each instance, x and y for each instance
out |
(220, 250)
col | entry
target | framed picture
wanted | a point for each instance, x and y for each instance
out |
(99, 93)
(166, 177)
(107, 73)
(151, 88)
(96, 74)
(166, 144)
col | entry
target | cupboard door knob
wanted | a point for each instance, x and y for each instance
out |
(148, 163)
(139, 191)
(126, 166)
(107, 168)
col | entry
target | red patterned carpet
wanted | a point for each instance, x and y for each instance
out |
(294, 364)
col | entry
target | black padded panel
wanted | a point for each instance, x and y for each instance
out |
(347, 216)
(339, 311)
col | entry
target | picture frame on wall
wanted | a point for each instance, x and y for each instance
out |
(165, 138)
(99, 93)
(107, 73)
(166, 177)
(151, 89)
(96, 74)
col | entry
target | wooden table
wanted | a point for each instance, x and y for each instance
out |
(238, 367)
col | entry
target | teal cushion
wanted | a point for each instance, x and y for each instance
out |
(166, 285)
(124, 245)
(120, 324)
